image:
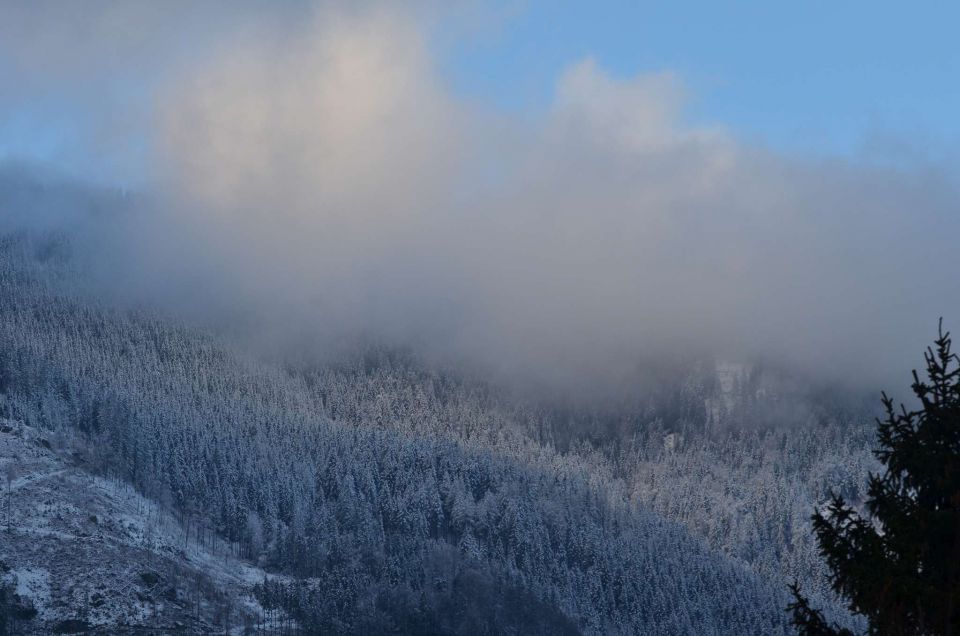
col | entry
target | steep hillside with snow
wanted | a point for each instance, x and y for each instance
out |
(81, 552)
(382, 494)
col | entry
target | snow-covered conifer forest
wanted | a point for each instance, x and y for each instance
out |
(473, 317)
(381, 494)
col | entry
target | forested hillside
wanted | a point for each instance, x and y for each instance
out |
(402, 497)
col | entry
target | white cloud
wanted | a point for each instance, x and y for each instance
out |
(318, 175)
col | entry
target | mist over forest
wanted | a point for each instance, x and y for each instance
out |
(277, 293)
(314, 172)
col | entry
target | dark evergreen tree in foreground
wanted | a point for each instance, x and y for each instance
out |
(900, 566)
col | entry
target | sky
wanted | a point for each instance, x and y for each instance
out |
(548, 192)
(873, 79)
(820, 77)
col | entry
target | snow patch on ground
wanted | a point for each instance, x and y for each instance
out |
(34, 583)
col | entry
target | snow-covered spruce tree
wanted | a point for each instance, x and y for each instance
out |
(900, 566)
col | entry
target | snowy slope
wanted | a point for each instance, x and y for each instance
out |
(80, 551)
